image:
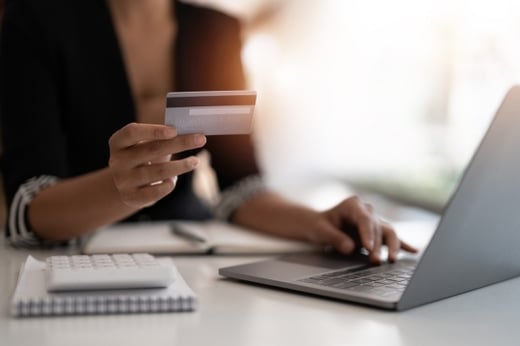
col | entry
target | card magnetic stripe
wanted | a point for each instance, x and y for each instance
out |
(202, 101)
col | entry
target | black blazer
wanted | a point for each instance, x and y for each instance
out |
(64, 91)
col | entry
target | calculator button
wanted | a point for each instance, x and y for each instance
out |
(82, 272)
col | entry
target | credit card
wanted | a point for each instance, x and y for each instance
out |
(228, 112)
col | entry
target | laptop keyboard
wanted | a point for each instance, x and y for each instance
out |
(386, 280)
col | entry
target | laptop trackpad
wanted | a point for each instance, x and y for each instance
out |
(328, 260)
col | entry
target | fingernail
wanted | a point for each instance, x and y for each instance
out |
(377, 261)
(370, 245)
(200, 139)
(375, 258)
(170, 131)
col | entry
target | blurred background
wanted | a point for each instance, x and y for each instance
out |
(378, 96)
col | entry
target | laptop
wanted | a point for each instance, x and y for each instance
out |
(475, 244)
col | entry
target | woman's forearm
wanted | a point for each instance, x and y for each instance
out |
(348, 226)
(271, 213)
(75, 206)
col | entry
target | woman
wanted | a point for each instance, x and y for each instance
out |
(79, 75)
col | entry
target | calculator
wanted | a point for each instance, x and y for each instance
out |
(106, 271)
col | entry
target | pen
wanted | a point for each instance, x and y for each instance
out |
(186, 233)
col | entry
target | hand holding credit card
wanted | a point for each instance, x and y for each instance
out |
(228, 112)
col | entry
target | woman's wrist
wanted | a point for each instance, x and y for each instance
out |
(237, 195)
(272, 213)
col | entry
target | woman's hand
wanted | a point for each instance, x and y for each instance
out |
(352, 225)
(141, 165)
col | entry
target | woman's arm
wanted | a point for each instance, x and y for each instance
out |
(139, 174)
(348, 226)
(75, 206)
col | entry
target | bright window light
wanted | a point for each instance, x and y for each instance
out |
(395, 94)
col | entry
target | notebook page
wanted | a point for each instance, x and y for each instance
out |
(150, 237)
(228, 238)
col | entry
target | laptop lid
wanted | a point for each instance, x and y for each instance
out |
(476, 240)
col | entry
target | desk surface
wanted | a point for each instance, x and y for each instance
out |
(233, 313)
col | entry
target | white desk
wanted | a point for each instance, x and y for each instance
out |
(233, 313)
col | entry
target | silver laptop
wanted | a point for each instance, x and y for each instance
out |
(476, 242)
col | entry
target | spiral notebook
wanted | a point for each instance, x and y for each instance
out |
(31, 297)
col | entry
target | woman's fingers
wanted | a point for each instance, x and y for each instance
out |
(134, 133)
(375, 252)
(354, 212)
(149, 183)
(328, 235)
(140, 161)
(358, 220)
(407, 247)
(155, 172)
(150, 151)
(136, 144)
(148, 195)
(392, 241)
